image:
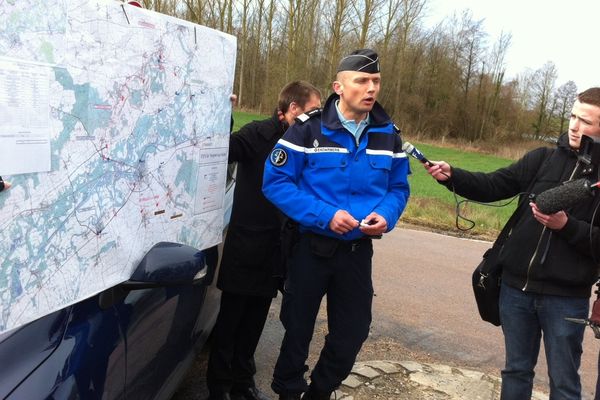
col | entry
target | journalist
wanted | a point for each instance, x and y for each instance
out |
(549, 261)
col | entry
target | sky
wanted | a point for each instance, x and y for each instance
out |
(564, 32)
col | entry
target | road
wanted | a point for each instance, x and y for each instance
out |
(423, 309)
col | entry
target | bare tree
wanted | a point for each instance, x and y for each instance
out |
(257, 67)
(496, 74)
(565, 96)
(195, 11)
(412, 11)
(390, 27)
(470, 42)
(365, 13)
(543, 86)
(243, 40)
(269, 27)
(339, 16)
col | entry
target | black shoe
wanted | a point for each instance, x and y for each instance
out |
(312, 394)
(221, 396)
(250, 393)
(290, 396)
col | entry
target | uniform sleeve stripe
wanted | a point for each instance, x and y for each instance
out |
(386, 153)
(291, 145)
(380, 152)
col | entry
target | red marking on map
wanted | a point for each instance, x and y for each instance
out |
(147, 24)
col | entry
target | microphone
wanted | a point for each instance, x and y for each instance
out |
(413, 151)
(564, 196)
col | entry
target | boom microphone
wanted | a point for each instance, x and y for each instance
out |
(412, 150)
(564, 196)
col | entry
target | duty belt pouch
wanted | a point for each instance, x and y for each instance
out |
(323, 246)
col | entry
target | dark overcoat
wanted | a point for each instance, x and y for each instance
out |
(251, 251)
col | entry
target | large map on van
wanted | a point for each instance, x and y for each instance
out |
(114, 126)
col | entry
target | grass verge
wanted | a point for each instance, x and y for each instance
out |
(433, 206)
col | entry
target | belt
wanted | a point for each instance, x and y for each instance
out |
(345, 245)
(352, 245)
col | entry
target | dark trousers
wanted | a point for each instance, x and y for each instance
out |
(528, 318)
(345, 278)
(235, 337)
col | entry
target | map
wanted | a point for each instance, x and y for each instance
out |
(114, 131)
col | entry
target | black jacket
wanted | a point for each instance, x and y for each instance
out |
(534, 258)
(251, 247)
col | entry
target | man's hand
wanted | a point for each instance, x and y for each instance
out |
(233, 99)
(4, 185)
(555, 221)
(373, 225)
(440, 170)
(342, 222)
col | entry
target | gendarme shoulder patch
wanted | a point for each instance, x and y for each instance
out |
(278, 157)
(302, 118)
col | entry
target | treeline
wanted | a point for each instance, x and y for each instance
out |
(445, 81)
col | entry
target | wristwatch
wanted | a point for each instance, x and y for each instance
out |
(1, 184)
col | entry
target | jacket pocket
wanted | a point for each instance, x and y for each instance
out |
(327, 160)
(380, 162)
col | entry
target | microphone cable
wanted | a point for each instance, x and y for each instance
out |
(459, 217)
(415, 153)
(464, 202)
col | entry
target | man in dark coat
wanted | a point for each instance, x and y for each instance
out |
(549, 261)
(251, 251)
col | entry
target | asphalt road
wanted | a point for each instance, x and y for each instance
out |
(423, 309)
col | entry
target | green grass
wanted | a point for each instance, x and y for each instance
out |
(431, 204)
(241, 118)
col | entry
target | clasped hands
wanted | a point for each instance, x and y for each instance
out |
(373, 225)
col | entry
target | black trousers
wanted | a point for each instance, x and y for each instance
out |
(345, 277)
(235, 337)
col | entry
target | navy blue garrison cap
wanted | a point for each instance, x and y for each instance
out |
(363, 60)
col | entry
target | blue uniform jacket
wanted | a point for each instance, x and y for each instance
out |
(316, 169)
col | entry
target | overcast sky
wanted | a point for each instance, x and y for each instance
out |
(564, 32)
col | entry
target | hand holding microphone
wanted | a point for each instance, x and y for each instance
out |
(413, 151)
(548, 207)
(555, 221)
(565, 196)
(440, 170)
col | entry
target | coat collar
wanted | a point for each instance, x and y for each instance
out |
(331, 120)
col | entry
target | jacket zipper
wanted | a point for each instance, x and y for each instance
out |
(540, 239)
(532, 258)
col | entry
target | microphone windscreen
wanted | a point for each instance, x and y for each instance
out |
(564, 196)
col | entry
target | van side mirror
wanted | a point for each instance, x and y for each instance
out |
(165, 264)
